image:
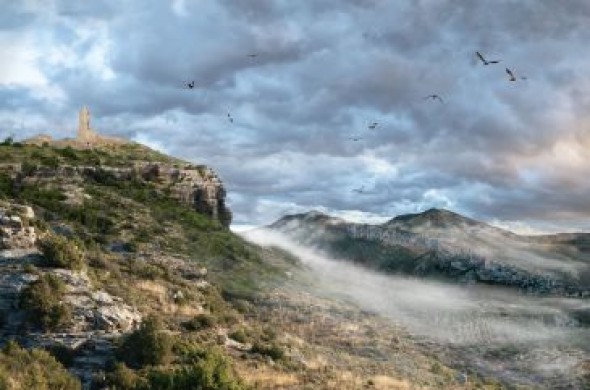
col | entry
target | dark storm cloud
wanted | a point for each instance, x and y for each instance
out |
(325, 70)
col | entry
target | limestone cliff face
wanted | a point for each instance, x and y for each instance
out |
(196, 186)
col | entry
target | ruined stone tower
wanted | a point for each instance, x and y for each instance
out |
(85, 132)
(86, 137)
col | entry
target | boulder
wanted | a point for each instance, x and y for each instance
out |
(116, 317)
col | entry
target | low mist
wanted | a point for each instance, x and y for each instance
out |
(455, 315)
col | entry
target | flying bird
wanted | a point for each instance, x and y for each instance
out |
(359, 190)
(373, 125)
(253, 55)
(355, 138)
(230, 118)
(485, 62)
(512, 77)
(434, 97)
(190, 85)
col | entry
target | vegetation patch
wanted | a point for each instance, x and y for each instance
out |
(43, 300)
(35, 369)
(61, 252)
(147, 346)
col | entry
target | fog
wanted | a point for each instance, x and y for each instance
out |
(465, 317)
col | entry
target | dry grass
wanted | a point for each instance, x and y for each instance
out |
(264, 377)
(154, 290)
(382, 382)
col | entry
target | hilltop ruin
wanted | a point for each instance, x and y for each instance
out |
(86, 136)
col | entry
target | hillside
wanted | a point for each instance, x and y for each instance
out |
(444, 244)
(118, 271)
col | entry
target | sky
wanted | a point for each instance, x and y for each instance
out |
(511, 153)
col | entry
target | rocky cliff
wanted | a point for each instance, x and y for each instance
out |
(198, 187)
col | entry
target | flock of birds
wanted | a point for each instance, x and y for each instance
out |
(485, 62)
(512, 77)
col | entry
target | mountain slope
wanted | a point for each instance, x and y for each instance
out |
(441, 243)
(119, 263)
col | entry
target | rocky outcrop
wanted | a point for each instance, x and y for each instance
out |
(201, 189)
(14, 230)
(196, 186)
(98, 318)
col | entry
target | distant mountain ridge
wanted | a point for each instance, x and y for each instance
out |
(442, 243)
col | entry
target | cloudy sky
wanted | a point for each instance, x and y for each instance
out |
(512, 153)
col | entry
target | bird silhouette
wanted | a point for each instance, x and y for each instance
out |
(512, 77)
(253, 55)
(190, 85)
(485, 62)
(360, 190)
(355, 138)
(373, 125)
(434, 97)
(230, 118)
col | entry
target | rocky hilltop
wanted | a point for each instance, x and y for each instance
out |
(441, 243)
(195, 186)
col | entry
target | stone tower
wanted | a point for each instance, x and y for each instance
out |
(85, 133)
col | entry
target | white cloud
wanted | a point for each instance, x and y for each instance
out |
(18, 61)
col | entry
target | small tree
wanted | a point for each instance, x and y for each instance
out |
(146, 346)
(60, 252)
(43, 300)
(205, 370)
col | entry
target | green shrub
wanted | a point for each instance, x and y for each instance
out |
(272, 350)
(200, 322)
(43, 300)
(28, 168)
(69, 153)
(148, 345)
(61, 252)
(205, 370)
(239, 335)
(49, 161)
(6, 186)
(122, 378)
(35, 369)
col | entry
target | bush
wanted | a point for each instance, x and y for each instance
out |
(239, 335)
(200, 322)
(272, 350)
(35, 369)
(43, 300)
(146, 346)
(60, 252)
(206, 370)
(69, 153)
(122, 378)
